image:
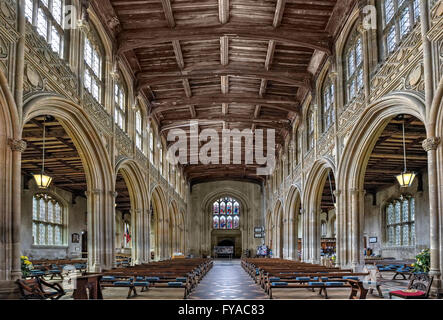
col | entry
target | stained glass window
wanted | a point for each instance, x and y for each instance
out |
(311, 128)
(400, 224)
(226, 214)
(399, 18)
(215, 222)
(47, 224)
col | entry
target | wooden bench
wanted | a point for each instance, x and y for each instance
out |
(34, 289)
(357, 289)
(418, 288)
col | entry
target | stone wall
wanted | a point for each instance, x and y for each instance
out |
(199, 222)
(374, 220)
(75, 220)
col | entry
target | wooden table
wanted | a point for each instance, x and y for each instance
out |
(88, 287)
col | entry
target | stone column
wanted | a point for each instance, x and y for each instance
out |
(17, 147)
(430, 146)
(355, 228)
(338, 232)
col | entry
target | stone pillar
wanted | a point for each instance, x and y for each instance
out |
(137, 233)
(101, 237)
(430, 146)
(338, 232)
(356, 249)
(17, 147)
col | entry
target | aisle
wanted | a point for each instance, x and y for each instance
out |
(227, 280)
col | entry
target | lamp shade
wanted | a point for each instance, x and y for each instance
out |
(43, 181)
(405, 179)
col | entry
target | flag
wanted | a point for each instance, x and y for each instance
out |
(127, 235)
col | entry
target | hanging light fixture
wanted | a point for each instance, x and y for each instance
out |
(405, 178)
(43, 181)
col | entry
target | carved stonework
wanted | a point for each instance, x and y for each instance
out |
(431, 144)
(17, 145)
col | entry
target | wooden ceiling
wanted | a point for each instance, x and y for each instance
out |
(62, 161)
(386, 160)
(233, 64)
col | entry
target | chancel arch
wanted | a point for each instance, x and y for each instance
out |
(97, 171)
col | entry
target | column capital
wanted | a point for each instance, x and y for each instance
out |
(431, 144)
(17, 145)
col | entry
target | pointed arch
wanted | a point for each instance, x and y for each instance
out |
(98, 171)
(292, 210)
(136, 183)
(158, 222)
(352, 168)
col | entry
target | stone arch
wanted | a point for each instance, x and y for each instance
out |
(268, 228)
(137, 187)
(292, 209)
(10, 182)
(160, 209)
(311, 202)
(98, 171)
(352, 168)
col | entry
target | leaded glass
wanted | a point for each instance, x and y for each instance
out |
(222, 208)
(34, 233)
(405, 235)
(57, 235)
(397, 212)
(42, 209)
(58, 215)
(229, 208)
(229, 222)
(41, 234)
(57, 11)
(215, 220)
(389, 10)
(50, 235)
(398, 235)
(412, 204)
(412, 234)
(222, 211)
(29, 9)
(405, 211)
(236, 208)
(42, 24)
(222, 222)
(236, 222)
(391, 235)
(390, 214)
(34, 208)
(392, 41)
(405, 22)
(50, 212)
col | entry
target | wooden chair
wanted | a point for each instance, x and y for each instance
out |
(418, 288)
(33, 289)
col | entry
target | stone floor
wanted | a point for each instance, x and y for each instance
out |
(228, 281)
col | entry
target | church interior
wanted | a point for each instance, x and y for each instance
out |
(118, 178)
